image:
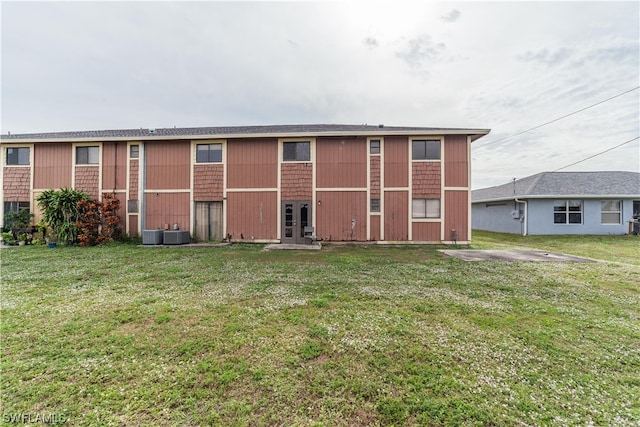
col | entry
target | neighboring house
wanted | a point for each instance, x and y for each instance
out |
(260, 183)
(560, 203)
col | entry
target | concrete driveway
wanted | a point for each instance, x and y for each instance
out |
(510, 255)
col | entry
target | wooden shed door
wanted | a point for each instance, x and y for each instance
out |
(208, 221)
(296, 215)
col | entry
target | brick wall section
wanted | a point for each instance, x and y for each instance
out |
(375, 177)
(426, 180)
(133, 179)
(207, 182)
(87, 180)
(296, 181)
(17, 184)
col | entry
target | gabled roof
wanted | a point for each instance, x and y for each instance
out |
(240, 132)
(564, 184)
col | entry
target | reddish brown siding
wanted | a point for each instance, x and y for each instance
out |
(114, 166)
(252, 163)
(208, 182)
(336, 212)
(167, 209)
(133, 179)
(457, 214)
(395, 215)
(456, 161)
(426, 231)
(122, 212)
(52, 166)
(396, 163)
(252, 215)
(133, 225)
(375, 227)
(375, 177)
(87, 179)
(167, 165)
(16, 184)
(296, 181)
(426, 179)
(341, 163)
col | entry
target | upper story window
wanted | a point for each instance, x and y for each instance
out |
(567, 212)
(374, 205)
(296, 151)
(611, 212)
(18, 156)
(209, 153)
(374, 146)
(87, 155)
(134, 151)
(426, 149)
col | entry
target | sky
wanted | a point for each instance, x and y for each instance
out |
(504, 66)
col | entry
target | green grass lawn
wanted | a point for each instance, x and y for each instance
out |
(121, 335)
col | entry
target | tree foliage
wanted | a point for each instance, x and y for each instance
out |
(99, 222)
(61, 211)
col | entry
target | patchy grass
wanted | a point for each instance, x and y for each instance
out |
(121, 335)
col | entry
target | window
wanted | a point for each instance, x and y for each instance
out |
(18, 156)
(132, 206)
(209, 153)
(375, 205)
(16, 206)
(87, 155)
(134, 151)
(567, 212)
(426, 150)
(374, 146)
(296, 151)
(425, 208)
(611, 212)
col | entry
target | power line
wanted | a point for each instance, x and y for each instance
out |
(595, 155)
(560, 118)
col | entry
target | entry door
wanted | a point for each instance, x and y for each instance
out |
(208, 221)
(296, 216)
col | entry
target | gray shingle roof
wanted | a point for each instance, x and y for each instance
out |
(560, 184)
(230, 131)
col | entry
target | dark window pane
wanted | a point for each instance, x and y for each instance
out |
(433, 150)
(559, 218)
(82, 155)
(575, 218)
(303, 151)
(12, 156)
(215, 153)
(419, 150)
(375, 147)
(134, 151)
(202, 153)
(375, 205)
(289, 151)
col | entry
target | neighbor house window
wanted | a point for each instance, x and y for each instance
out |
(87, 155)
(426, 150)
(374, 146)
(611, 212)
(425, 208)
(134, 151)
(375, 205)
(567, 212)
(296, 151)
(18, 156)
(208, 153)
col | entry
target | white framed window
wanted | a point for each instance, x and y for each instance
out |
(425, 208)
(611, 211)
(296, 151)
(374, 205)
(374, 146)
(567, 212)
(425, 149)
(17, 156)
(134, 151)
(209, 153)
(88, 155)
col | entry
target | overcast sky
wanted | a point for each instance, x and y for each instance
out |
(505, 66)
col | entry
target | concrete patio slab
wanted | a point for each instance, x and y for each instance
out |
(511, 255)
(287, 246)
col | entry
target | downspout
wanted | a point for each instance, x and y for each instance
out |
(526, 218)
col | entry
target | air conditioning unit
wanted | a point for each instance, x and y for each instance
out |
(152, 237)
(176, 237)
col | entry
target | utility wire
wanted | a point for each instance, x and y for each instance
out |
(560, 118)
(595, 155)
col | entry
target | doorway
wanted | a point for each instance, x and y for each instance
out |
(208, 221)
(296, 215)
